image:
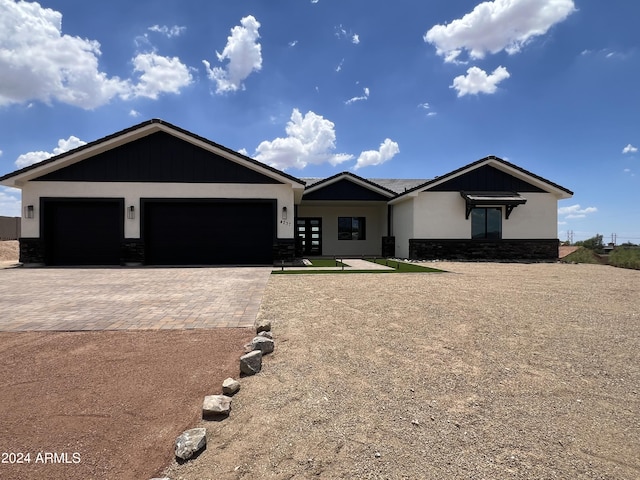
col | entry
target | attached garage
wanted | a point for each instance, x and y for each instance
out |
(82, 231)
(203, 231)
(155, 194)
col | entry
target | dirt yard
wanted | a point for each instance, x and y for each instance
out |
(490, 371)
(494, 371)
(9, 252)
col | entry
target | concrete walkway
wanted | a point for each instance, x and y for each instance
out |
(76, 299)
(350, 264)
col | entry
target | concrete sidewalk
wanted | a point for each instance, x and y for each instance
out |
(350, 264)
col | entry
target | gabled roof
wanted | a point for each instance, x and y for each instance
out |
(21, 176)
(497, 163)
(398, 185)
(314, 184)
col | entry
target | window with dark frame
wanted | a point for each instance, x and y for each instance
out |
(351, 228)
(486, 223)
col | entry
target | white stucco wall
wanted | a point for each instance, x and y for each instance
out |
(403, 227)
(442, 215)
(376, 227)
(132, 192)
(538, 218)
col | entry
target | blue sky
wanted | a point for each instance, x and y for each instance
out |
(400, 89)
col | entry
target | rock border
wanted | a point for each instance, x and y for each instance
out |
(190, 443)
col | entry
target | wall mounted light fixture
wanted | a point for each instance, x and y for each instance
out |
(131, 212)
(29, 211)
(284, 213)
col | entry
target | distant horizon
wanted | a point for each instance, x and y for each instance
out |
(400, 90)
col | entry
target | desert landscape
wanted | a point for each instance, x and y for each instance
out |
(489, 370)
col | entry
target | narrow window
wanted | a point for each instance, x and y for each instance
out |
(351, 228)
(486, 223)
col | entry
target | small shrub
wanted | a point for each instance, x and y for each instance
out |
(625, 257)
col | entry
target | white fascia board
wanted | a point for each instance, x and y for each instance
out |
(86, 152)
(404, 197)
(320, 185)
(103, 146)
(528, 178)
(504, 168)
(234, 158)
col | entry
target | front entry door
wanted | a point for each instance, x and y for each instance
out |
(309, 236)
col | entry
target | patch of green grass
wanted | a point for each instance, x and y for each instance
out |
(625, 257)
(582, 255)
(310, 271)
(398, 267)
(402, 267)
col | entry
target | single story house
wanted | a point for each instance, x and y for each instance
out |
(157, 194)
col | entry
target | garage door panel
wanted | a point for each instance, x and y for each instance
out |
(83, 232)
(209, 233)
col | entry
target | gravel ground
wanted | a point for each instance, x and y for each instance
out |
(9, 251)
(489, 371)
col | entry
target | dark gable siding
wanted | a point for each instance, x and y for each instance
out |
(344, 190)
(159, 157)
(486, 179)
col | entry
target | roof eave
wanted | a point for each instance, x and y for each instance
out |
(19, 177)
(547, 185)
(352, 178)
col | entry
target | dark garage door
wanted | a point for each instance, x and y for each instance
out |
(83, 232)
(209, 232)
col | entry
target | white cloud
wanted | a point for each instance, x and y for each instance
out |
(365, 96)
(134, 113)
(169, 32)
(575, 211)
(498, 25)
(339, 67)
(314, 1)
(477, 81)
(244, 54)
(427, 107)
(606, 53)
(1, 153)
(310, 140)
(293, 43)
(343, 34)
(39, 62)
(388, 149)
(629, 149)
(159, 74)
(30, 158)
(10, 200)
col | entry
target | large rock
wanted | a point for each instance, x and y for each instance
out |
(251, 363)
(216, 406)
(230, 386)
(263, 326)
(264, 344)
(190, 443)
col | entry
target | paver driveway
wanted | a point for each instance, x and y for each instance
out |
(70, 299)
